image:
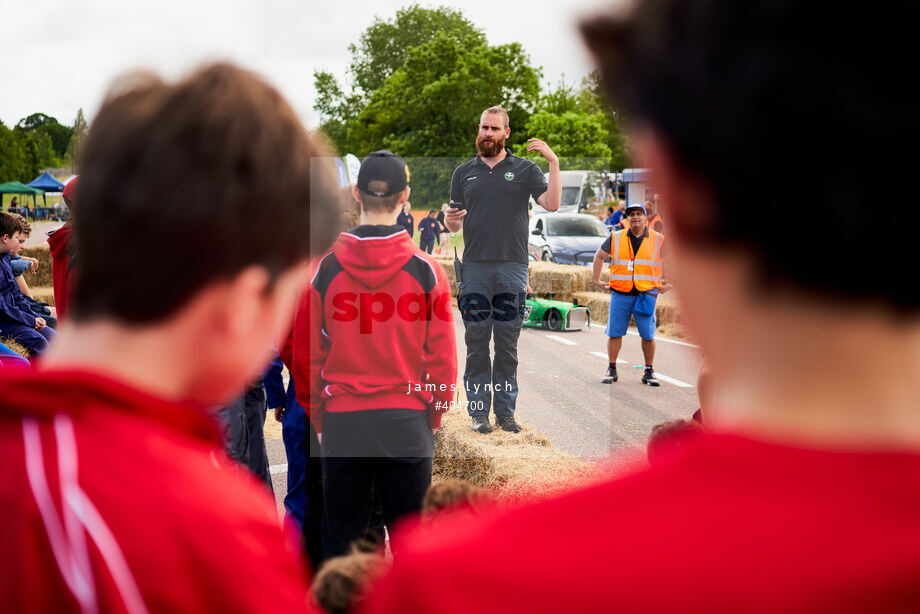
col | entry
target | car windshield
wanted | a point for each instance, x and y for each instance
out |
(569, 196)
(576, 227)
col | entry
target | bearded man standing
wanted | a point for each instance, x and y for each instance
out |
(489, 196)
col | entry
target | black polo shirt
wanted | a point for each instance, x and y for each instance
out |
(496, 222)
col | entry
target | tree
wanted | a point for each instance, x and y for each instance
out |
(592, 96)
(78, 133)
(578, 138)
(381, 50)
(429, 108)
(39, 124)
(384, 46)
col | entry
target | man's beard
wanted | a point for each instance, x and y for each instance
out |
(489, 150)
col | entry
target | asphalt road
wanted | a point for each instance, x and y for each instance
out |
(561, 394)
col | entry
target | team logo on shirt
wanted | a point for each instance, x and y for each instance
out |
(509, 176)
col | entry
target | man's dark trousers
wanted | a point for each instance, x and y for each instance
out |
(491, 299)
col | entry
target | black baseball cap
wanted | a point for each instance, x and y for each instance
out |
(385, 166)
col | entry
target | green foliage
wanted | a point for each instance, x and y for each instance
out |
(578, 138)
(38, 142)
(381, 50)
(420, 82)
(593, 99)
(16, 163)
(51, 138)
(78, 133)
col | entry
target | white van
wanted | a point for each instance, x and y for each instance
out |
(577, 190)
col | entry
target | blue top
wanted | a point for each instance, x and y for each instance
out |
(617, 216)
(430, 228)
(13, 305)
(19, 265)
(407, 221)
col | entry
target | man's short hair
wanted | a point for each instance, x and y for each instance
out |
(219, 157)
(498, 110)
(9, 225)
(760, 96)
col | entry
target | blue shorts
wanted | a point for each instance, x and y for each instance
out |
(621, 307)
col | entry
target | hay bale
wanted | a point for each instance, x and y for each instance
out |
(15, 346)
(43, 255)
(44, 294)
(597, 302)
(510, 465)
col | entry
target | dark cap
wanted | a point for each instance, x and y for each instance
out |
(383, 166)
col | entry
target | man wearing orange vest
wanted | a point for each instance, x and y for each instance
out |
(636, 278)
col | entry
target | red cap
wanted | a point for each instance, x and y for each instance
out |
(70, 192)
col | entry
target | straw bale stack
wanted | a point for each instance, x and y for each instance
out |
(43, 255)
(510, 465)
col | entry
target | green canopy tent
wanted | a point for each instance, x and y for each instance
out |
(15, 187)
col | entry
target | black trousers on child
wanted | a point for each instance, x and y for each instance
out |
(370, 458)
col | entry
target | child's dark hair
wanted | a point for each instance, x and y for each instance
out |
(342, 581)
(220, 156)
(9, 225)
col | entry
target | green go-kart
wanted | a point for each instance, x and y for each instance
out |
(555, 315)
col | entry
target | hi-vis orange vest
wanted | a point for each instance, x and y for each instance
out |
(656, 219)
(642, 269)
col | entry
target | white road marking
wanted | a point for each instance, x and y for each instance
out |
(561, 339)
(666, 340)
(278, 469)
(671, 380)
(604, 356)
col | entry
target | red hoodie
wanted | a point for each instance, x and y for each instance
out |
(369, 342)
(114, 501)
(59, 243)
(726, 524)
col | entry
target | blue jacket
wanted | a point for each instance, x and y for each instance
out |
(407, 221)
(430, 228)
(13, 305)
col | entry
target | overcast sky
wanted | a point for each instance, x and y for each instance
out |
(57, 56)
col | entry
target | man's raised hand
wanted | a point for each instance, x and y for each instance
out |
(543, 148)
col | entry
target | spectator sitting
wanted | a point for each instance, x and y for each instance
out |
(17, 321)
(342, 582)
(19, 265)
(431, 229)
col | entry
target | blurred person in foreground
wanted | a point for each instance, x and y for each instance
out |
(117, 493)
(803, 496)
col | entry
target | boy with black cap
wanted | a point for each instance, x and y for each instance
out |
(379, 365)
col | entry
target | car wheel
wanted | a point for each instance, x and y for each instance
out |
(553, 320)
(547, 257)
